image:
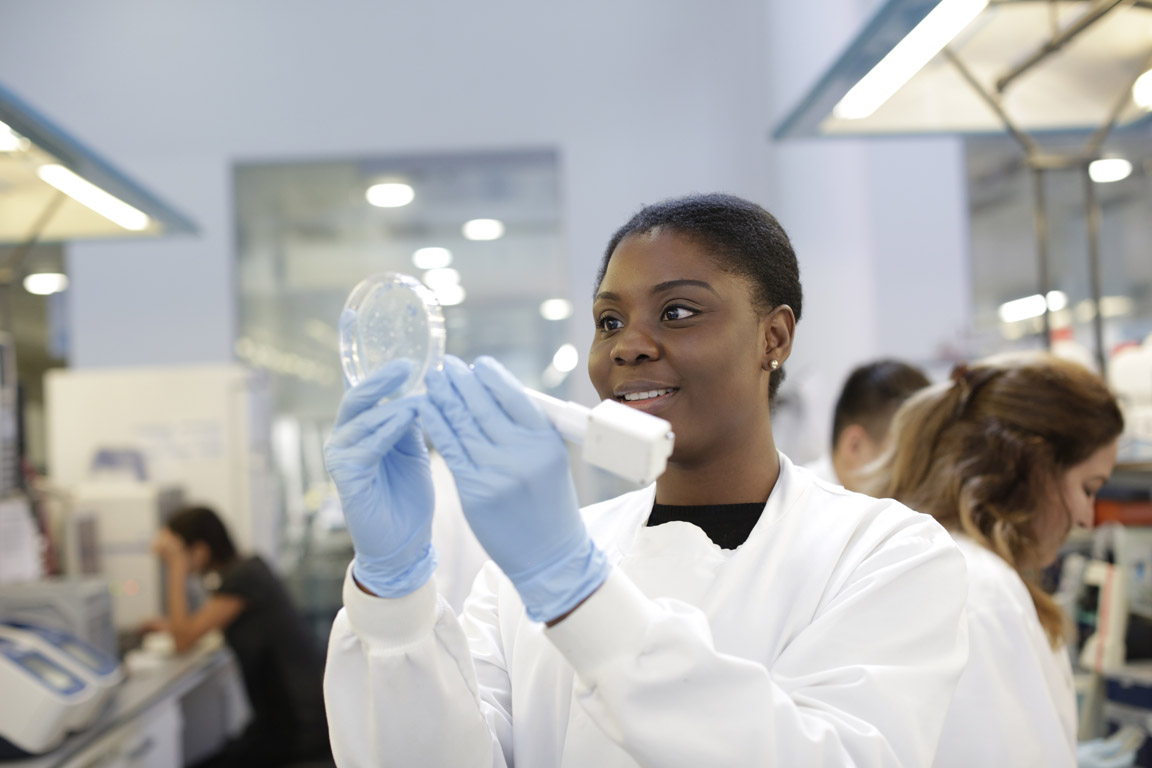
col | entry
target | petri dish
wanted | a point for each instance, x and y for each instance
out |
(390, 316)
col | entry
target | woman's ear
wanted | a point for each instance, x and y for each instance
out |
(779, 327)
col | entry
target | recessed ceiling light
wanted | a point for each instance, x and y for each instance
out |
(85, 192)
(1109, 169)
(484, 229)
(390, 195)
(556, 309)
(449, 295)
(432, 258)
(46, 283)
(444, 276)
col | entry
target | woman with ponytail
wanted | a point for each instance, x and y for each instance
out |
(1008, 456)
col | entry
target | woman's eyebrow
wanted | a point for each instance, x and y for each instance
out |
(670, 284)
(667, 285)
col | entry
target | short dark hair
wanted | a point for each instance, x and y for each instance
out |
(743, 239)
(202, 524)
(873, 393)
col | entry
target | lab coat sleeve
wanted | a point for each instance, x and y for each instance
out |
(1010, 695)
(413, 644)
(866, 683)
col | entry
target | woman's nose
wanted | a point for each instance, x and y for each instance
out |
(634, 344)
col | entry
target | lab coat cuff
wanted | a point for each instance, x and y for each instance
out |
(612, 622)
(391, 622)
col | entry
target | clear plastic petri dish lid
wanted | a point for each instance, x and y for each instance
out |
(390, 316)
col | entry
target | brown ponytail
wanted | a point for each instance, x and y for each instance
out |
(982, 452)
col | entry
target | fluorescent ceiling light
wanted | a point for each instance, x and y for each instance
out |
(449, 294)
(566, 358)
(484, 229)
(556, 309)
(46, 283)
(443, 277)
(1032, 306)
(432, 258)
(10, 141)
(1142, 90)
(928, 38)
(82, 191)
(390, 195)
(1109, 169)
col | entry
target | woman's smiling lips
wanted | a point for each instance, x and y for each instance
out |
(644, 396)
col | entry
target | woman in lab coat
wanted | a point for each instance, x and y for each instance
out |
(738, 612)
(1008, 455)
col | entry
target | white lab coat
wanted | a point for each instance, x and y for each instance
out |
(824, 469)
(1015, 704)
(834, 636)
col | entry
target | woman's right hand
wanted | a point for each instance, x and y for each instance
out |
(377, 458)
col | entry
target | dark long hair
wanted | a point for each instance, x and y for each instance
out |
(980, 453)
(202, 524)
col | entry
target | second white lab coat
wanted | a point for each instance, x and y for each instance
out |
(834, 636)
(1015, 704)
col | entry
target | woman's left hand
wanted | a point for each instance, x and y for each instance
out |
(168, 546)
(511, 470)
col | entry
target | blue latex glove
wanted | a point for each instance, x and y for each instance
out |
(377, 458)
(511, 470)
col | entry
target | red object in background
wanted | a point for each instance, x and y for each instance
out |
(1123, 512)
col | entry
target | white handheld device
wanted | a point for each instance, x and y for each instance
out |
(626, 442)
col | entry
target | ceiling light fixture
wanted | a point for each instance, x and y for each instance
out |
(46, 283)
(432, 258)
(1109, 169)
(1142, 91)
(483, 229)
(390, 195)
(928, 38)
(85, 192)
(1032, 306)
(566, 358)
(10, 141)
(556, 309)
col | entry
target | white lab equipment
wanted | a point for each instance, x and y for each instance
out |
(41, 697)
(1130, 376)
(20, 542)
(204, 428)
(97, 669)
(9, 437)
(390, 316)
(80, 607)
(128, 515)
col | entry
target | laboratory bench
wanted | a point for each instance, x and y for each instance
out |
(168, 713)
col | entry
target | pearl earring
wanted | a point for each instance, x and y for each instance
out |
(774, 364)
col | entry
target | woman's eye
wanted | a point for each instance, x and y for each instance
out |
(608, 323)
(678, 313)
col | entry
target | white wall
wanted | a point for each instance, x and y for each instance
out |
(644, 100)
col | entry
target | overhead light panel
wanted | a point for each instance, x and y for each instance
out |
(436, 278)
(566, 358)
(484, 229)
(556, 309)
(928, 38)
(449, 294)
(1142, 90)
(82, 191)
(1109, 169)
(390, 195)
(46, 283)
(1032, 306)
(432, 258)
(10, 141)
